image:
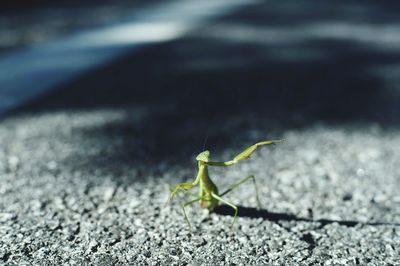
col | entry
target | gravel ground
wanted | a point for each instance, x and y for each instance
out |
(76, 190)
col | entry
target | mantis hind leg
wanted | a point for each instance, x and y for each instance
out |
(215, 196)
(184, 210)
(234, 186)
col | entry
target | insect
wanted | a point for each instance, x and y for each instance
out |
(209, 197)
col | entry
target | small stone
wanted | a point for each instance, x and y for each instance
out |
(4, 216)
(360, 172)
(13, 162)
(109, 193)
(52, 165)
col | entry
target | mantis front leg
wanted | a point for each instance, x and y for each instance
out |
(244, 154)
(186, 185)
(182, 186)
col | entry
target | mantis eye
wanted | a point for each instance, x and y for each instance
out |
(203, 156)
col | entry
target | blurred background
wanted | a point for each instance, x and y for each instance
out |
(204, 68)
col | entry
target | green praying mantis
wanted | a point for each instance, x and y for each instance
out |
(209, 197)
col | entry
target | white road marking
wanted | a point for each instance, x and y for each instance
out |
(27, 73)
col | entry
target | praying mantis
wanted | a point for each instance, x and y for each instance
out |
(209, 197)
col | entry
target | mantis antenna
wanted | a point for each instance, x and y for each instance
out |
(205, 141)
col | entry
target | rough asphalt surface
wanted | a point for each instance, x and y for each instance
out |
(85, 171)
(329, 195)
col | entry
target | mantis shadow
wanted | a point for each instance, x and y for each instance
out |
(276, 217)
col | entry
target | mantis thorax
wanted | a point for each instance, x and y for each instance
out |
(207, 186)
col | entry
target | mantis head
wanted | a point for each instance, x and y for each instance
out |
(203, 156)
